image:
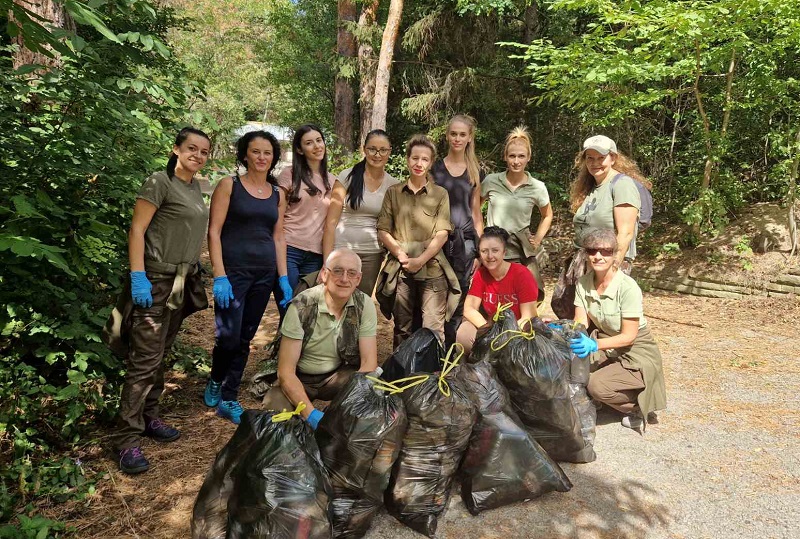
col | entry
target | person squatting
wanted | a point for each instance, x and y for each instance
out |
(420, 246)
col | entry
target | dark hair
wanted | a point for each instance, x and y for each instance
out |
(243, 144)
(495, 232)
(355, 188)
(183, 134)
(301, 172)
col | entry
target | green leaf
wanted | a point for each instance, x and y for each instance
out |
(86, 15)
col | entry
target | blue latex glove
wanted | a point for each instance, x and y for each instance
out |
(140, 289)
(223, 291)
(583, 346)
(286, 288)
(314, 418)
(553, 325)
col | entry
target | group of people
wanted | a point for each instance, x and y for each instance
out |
(419, 246)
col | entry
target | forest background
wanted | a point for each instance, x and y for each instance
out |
(703, 94)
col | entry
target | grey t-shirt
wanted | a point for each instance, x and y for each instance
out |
(357, 229)
(176, 232)
(597, 210)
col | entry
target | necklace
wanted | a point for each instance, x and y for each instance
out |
(254, 184)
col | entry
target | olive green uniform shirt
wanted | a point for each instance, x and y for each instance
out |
(621, 299)
(320, 355)
(597, 210)
(176, 232)
(416, 218)
(512, 209)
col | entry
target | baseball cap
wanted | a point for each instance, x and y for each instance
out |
(600, 144)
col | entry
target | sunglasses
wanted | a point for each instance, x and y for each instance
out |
(604, 251)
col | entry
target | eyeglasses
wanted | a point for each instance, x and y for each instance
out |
(341, 272)
(604, 251)
(383, 152)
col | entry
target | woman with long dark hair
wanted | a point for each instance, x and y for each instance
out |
(355, 203)
(166, 236)
(458, 172)
(248, 254)
(307, 185)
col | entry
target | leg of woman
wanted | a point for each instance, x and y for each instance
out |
(533, 266)
(294, 259)
(616, 386)
(452, 325)
(310, 263)
(229, 325)
(405, 303)
(466, 336)
(434, 304)
(370, 267)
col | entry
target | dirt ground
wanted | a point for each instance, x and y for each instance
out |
(723, 461)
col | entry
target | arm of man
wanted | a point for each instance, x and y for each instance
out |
(367, 337)
(292, 387)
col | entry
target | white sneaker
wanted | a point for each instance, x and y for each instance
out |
(632, 421)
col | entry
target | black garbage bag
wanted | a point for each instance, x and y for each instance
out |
(210, 514)
(280, 488)
(579, 378)
(440, 420)
(502, 321)
(503, 464)
(535, 370)
(420, 353)
(359, 439)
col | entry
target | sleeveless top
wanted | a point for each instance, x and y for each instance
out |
(246, 237)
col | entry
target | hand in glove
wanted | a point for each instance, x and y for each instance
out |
(140, 289)
(286, 288)
(314, 418)
(223, 291)
(583, 345)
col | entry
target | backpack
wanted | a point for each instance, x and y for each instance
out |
(646, 211)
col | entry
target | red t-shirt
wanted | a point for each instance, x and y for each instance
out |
(518, 286)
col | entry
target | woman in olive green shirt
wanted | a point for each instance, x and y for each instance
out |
(629, 376)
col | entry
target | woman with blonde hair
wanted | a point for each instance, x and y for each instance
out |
(458, 172)
(604, 195)
(512, 197)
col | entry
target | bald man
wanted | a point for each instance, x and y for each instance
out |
(327, 335)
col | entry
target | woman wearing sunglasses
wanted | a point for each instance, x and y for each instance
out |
(356, 200)
(629, 375)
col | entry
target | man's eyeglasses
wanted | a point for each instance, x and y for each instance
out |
(383, 152)
(341, 272)
(604, 251)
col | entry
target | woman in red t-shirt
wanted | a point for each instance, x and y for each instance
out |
(498, 281)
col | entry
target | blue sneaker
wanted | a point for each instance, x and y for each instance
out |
(132, 461)
(213, 393)
(230, 410)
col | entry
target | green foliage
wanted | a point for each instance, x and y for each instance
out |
(77, 141)
(189, 359)
(670, 248)
(745, 252)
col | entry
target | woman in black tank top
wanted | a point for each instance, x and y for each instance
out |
(248, 253)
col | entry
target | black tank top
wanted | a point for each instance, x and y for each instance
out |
(246, 237)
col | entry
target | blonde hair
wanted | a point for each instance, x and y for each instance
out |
(584, 182)
(421, 140)
(473, 169)
(519, 135)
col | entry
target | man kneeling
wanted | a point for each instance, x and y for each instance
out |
(328, 333)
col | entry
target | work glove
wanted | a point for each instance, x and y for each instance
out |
(286, 288)
(223, 291)
(583, 345)
(314, 418)
(140, 289)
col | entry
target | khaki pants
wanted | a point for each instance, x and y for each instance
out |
(616, 386)
(318, 387)
(428, 298)
(370, 267)
(152, 333)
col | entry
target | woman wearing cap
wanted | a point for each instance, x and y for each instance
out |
(603, 195)
(629, 375)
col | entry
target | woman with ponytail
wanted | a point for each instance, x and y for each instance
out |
(460, 175)
(166, 236)
(307, 185)
(512, 197)
(356, 200)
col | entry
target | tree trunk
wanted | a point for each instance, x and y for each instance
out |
(366, 65)
(381, 103)
(344, 96)
(58, 17)
(532, 26)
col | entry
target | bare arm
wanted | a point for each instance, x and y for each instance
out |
(143, 212)
(368, 350)
(220, 201)
(388, 241)
(413, 265)
(544, 225)
(292, 387)
(625, 217)
(477, 216)
(279, 236)
(630, 329)
(581, 317)
(332, 219)
(527, 310)
(471, 312)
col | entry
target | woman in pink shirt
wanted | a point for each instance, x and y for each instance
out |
(496, 282)
(307, 185)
